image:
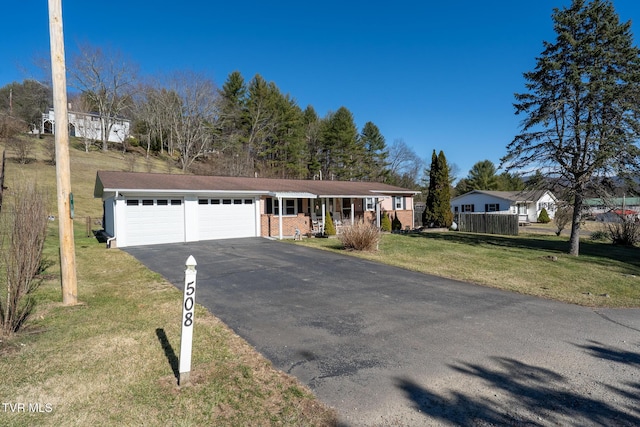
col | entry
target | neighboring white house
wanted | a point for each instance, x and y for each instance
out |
(87, 125)
(527, 204)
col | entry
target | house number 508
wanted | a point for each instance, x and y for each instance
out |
(188, 304)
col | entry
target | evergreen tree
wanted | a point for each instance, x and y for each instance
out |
(429, 216)
(438, 204)
(341, 151)
(311, 126)
(396, 225)
(385, 222)
(581, 109)
(482, 176)
(510, 182)
(374, 162)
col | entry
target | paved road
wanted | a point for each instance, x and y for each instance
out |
(385, 346)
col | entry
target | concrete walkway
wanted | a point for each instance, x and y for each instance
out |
(389, 347)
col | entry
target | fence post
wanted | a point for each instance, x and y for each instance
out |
(188, 312)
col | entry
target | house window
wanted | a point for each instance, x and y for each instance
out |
(162, 202)
(226, 201)
(248, 201)
(215, 201)
(147, 202)
(398, 203)
(492, 207)
(132, 202)
(369, 204)
(289, 207)
(203, 201)
(176, 202)
(467, 208)
(237, 201)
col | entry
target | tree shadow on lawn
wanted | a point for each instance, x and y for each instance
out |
(520, 394)
(594, 250)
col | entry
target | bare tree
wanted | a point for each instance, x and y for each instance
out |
(404, 164)
(107, 80)
(192, 115)
(23, 231)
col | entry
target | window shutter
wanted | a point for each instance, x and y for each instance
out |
(486, 207)
(497, 207)
(473, 208)
(269, 205)
(299, 205)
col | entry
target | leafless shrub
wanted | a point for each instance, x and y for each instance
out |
(563, 217)
(360, 237)
(22, 148)
(23, 228)
(131, 159)
(625, 232)
(50, 149)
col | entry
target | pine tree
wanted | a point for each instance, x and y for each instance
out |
(375, 154)
(581, 109)
(429, 216)
(438, 205)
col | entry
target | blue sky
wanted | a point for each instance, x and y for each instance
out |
(438, 75)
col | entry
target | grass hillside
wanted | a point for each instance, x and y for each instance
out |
(112, 359)
(83, 170)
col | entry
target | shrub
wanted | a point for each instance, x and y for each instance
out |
(563, 216)
(385, 222)
(24, 228)
(599, 235)
(360, 237)
(329, 226)
(626, 232)
(544, 217)
(396, 224)
(22, 148)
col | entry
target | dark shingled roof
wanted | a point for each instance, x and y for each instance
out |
(123, 181)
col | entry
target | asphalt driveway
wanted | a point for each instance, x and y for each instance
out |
(386, 346)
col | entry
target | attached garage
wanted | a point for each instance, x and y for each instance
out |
(154, 220)
(147, 208)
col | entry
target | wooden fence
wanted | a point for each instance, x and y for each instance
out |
(488, 223)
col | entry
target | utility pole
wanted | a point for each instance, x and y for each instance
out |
(63, 169)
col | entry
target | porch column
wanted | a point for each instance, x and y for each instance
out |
(353, 211)
(280, 217)
(377, 202)
(324, 209)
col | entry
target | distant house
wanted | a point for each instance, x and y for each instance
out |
(526, 204)
(612, 209)
(87, 125)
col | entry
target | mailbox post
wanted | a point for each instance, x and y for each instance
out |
(188, 312)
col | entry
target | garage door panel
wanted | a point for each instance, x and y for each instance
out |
(153, 224)
(224, 221)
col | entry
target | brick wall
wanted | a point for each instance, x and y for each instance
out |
(269, 225)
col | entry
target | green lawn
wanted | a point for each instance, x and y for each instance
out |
(535, 264)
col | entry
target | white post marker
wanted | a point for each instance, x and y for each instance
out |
(188, 312)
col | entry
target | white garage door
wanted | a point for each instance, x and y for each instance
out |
(220, 218)
(154, 221)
